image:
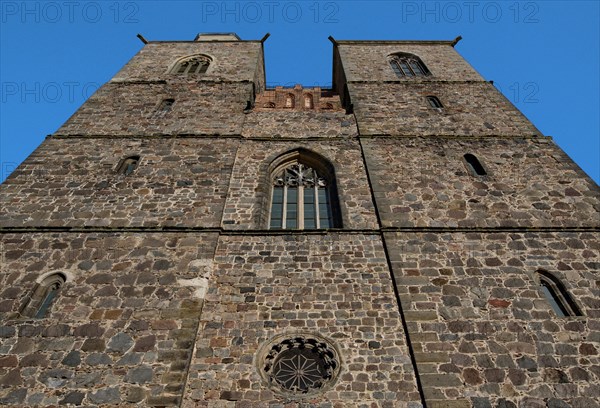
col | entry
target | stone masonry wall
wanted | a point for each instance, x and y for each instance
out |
(299, 125)
(73, 183)
(149, 318)
(530, 183)
(369, 62)
(336, 285)
(122, 329)
(248, 200)
(483, 334)
(470, 109)
(126, 108)
(231, 61)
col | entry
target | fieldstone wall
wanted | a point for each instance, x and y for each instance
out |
(280, 124)
(482, 331)
(73, 183)
(248, 199)
(368, 62)
(232, 61)
(530, 183)
(133, 109)
(402, 109)
(152, 317)
(122, 329)
(336, 285)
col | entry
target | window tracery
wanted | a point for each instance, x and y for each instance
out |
(300, 199)
(197, 64)
(408, 65)
(301, 365)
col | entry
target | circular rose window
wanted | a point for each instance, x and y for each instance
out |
(301, 365)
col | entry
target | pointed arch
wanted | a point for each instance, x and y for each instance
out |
(434, 102)
(474, 165)
(303, 192)
(128, 165)
(407, 65)
(43, 296)
(191, 65)
(557, 295)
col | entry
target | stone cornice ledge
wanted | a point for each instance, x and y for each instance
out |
(223, 231)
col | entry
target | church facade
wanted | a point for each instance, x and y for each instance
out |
(407, 238)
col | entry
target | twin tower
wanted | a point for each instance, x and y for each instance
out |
(405, 239)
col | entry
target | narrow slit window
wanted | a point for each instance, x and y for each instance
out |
(128, 165)
(44, 296)
(474, 165)
(165, 106)
(557, 296)
(552, 298)
(48, 299)
(434, 102)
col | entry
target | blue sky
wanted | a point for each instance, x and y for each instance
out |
(543, 55)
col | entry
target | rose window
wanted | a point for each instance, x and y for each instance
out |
(301, 365)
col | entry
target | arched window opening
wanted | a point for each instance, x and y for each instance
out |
(408, 65)
(475, 167)
(327, 106)
(303, 196)
(308, 101)
(557, 296)
(434, 102)
(197, 64)
(165, 106)
(128, 165)
(44, 295)
(269, 105)
(289, 101)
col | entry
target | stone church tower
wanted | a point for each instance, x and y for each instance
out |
(405, 239)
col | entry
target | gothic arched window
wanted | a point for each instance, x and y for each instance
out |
(196, 64)
(128, 165)
(434, 102)
(303, 195)
(474, 165)
(43, 296)
(165, 106)
(557, 296)
(407, 65)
